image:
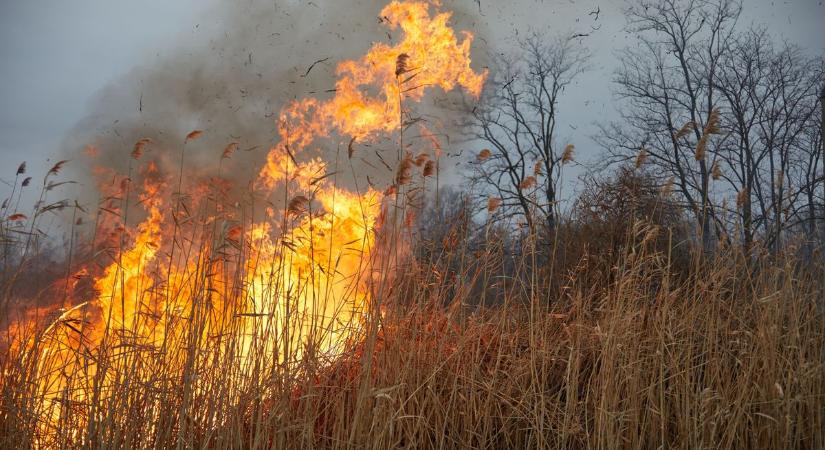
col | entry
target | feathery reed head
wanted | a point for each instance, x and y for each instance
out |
(484, 155)
(57, 167)
(701, 148)
(229, 150)
(686, 129)
(401, 64)
(741, 198)
(298, 205)
(137, 151)
(714, 118)
(527, 183)
(193, 135)
(567, 154)
(403, 174)
(537, 168)
(492, 204)
(716, 171)
(421, 159)
(641, 158)
(429, 168)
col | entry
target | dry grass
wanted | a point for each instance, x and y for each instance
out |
(473, 348)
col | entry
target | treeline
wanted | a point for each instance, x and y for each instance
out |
(723, 120)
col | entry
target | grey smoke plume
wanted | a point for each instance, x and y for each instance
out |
(260, 55)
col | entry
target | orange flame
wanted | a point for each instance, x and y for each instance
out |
(434, 58)
(310, 286)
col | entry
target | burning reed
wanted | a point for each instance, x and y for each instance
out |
(195, 318)
(714, 355)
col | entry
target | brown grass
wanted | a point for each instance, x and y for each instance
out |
(474, 347)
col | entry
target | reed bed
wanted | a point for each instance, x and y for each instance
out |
(456, 351)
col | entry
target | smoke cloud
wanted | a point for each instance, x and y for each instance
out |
(259, 56)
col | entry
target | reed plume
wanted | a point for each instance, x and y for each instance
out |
(567, 154)
(484, 155)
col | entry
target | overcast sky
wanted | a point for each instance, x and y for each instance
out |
(58, 56)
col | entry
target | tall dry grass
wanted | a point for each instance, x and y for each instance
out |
(472, 346)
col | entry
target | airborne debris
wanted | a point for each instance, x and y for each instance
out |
(311, 66)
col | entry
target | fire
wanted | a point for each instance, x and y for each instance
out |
(298, 282)
(323, 274)
(434, 57)
(125, 280)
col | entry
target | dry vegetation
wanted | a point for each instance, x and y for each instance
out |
(185, 318)
(478, 345)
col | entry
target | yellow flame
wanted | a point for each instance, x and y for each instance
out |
(312, 282)
(436, 58)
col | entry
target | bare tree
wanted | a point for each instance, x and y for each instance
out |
(517, 118)
(665, 82)
(770, 164)
(811, 176)
(809, 211)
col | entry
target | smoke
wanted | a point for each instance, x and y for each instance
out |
(255, 57)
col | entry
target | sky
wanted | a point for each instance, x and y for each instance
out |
(68, 67)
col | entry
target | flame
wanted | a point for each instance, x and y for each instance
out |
(299, 281)
(323, 275)
(434, 58)
(125, 280)
(429, 55)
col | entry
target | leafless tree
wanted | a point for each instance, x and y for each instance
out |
(517, 118)
(665, 83)
(770, 110)
(729, 116)
(810, 210)
(811, 178)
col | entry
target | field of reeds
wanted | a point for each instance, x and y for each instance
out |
(314, 307)
(486, 342)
